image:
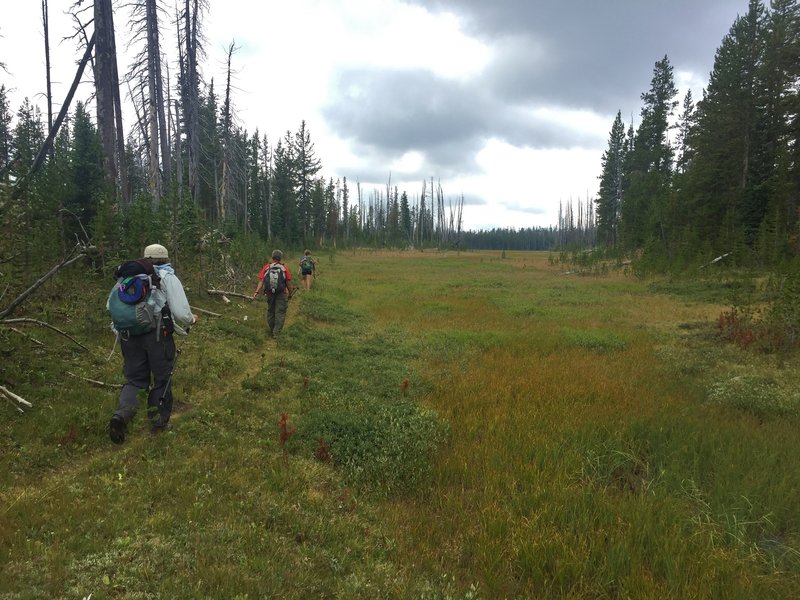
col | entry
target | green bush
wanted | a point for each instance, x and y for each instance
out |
(383, 445)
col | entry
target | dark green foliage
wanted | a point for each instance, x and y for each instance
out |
(609, 198)
(355, 406)
(730, 181)
(383, 445)
(532, 238)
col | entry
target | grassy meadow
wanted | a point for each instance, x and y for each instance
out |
(428, 425)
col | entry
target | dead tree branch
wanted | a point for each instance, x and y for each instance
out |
(24, 295)
(205, 312)
(22, 333)
(43, 324)
(12, 396)
(224, 293)
(95, 382)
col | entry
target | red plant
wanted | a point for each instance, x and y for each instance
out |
(284, 429)
(72, 435)
(323, 451)
(346, 500)
(735, 329)
(404, 386)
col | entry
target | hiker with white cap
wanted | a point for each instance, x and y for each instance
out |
(151, 292)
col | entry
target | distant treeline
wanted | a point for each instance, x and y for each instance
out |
(534, 238)
(721, 177)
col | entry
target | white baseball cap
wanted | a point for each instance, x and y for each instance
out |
(156, 251)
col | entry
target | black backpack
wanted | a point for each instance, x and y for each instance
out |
(275, 279)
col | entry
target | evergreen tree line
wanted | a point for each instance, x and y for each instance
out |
(186, 172)
(721, 177)
(576, 229)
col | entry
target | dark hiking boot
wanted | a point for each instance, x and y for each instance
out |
(159, 427)
(116, 430)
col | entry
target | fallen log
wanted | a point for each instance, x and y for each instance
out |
(43, 324)
(12, 396)
(205, 312)
(95, 382)
(224, 293)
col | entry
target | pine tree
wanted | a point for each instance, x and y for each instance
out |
(650, 163)
(345, 209)
(210, 161)
(405, 218)
(610, 196)
(6, 139)
(771, 191)
(722, 139)
(87, 172)
(306, 169)
(285, 223)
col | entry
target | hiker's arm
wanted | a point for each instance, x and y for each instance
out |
(261, 276)
(288, 289)
(176, 298)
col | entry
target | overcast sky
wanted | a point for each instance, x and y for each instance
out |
(508, 102)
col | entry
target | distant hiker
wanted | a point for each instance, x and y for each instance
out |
(148, 305)
(308, 269)
(274, 279)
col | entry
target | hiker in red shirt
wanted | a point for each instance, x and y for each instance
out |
(274, 279)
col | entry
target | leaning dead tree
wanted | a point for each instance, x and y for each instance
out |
(23, 184)
(46, 28)
(83, 251)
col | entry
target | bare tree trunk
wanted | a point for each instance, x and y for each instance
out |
(155, 65)
(225, 191)
(267, 189)
(178, 151)
(153, 109)
(122, 171)
(46, 27)
(190, 83)
(105, 59)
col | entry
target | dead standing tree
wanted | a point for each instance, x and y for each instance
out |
(190, 48)
(108, 101)
(46, 28)
(145, 72)
(224, 198)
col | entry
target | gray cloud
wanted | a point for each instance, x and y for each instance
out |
(580, 55)
(388, 113)
(392, 112)
(588, 54)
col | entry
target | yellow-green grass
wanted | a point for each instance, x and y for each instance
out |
(581, 462)
(559, 436)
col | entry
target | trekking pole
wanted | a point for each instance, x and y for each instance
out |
(172, 372)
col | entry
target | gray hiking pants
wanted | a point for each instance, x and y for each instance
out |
(276, 312)
(145, 356)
